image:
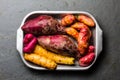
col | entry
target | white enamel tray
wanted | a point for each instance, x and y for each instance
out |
(97, 34)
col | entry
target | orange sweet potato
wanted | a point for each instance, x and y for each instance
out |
(67, 20)
(86, 20)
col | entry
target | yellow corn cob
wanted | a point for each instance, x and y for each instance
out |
(40, 60)
(55, 57)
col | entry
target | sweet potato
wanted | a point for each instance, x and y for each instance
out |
(83, 36)
(27, 39)
(67, 20)
(79, 26)
(29, 43)
(43, 25)
(83, 40)
(72, 32)
(86, 20)
(58, 44)
(40, 60)
(87, 59)
(91, 48)
(53, 56)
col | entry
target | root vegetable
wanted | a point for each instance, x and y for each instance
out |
(67, 20)
(91, 48)
(79, 26)
(40, 60)
(86, 20)
(43, 25)
(83, 36)
(87, 59)
(29, 43)
(83, 40)
(72, 32)
(58, 44)
(53, 56)
(27, 38)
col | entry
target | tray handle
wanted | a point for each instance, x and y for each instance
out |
(19, 41)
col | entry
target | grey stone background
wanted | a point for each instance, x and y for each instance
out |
(107, 13)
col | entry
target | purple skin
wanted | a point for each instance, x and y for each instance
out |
(30, 47)
(87, 59)
(29, 42)
(58, 44)
(43, 25)
(91, 48)
(27, 39)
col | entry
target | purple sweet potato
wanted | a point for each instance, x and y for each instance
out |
(29, 43)
(27, 39)
(58, 44)
(43, 25)
(87, 59)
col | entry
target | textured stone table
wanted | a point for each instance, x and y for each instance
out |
(107, 13)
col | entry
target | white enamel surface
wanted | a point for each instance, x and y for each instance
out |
(98, 43)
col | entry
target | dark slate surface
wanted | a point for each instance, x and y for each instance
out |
(107, 12)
